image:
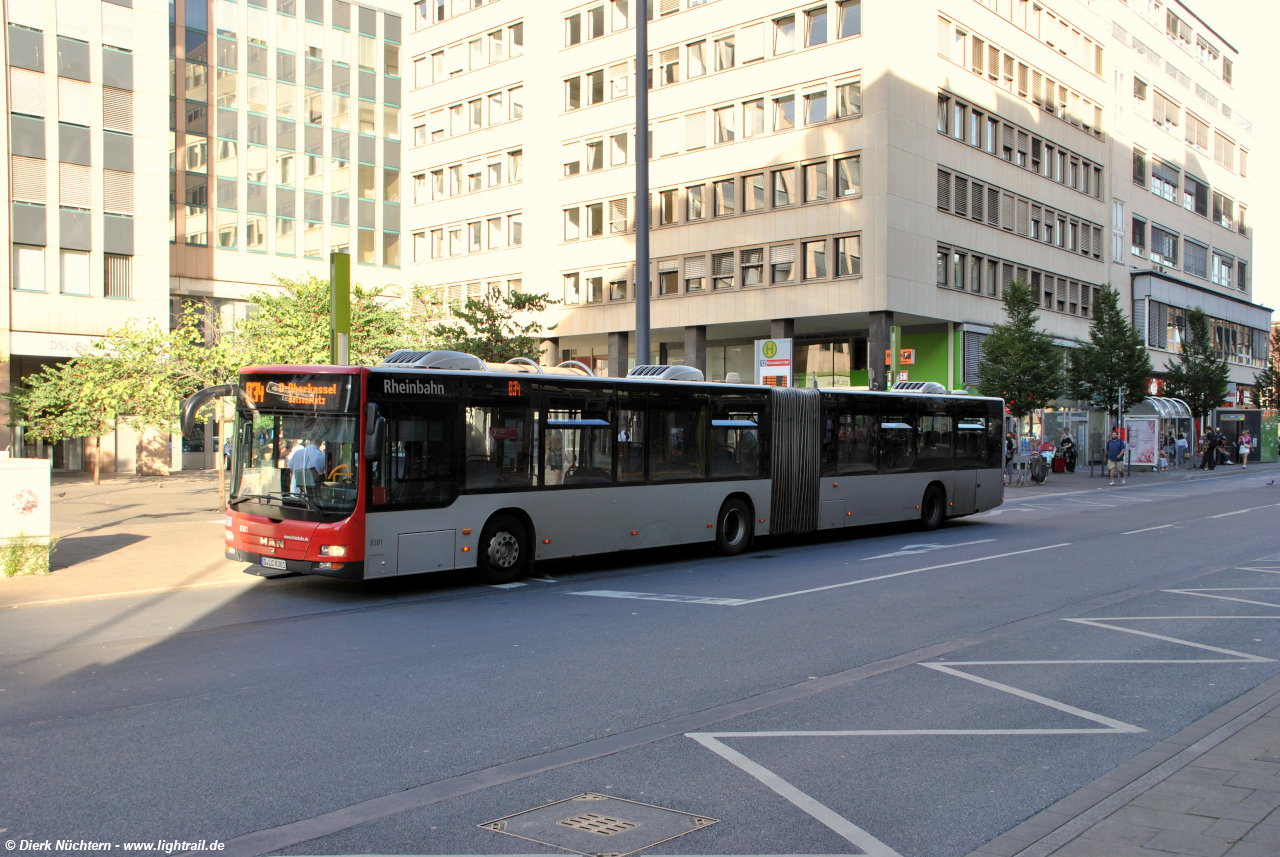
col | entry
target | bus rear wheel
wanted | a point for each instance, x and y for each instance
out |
(733, 528)
(933, 508)
(504, 551)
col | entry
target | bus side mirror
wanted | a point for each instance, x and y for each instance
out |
(375, 430)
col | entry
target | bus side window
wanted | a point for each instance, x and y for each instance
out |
(631, 440)
(735, 435)
(579, 436)
(972, 430)
(897, 435)
(677, 440)
(498, 448)
(419, 463)
(857, 436)
(934, 434)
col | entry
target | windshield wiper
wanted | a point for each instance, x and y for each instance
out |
(283, 497)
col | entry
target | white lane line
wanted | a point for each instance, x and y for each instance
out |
(907, 550)
(1088, 503)
(1148, 529)
(739, 602)
(653, 596)
(1098, 623)
(1096, 662)
(1264, 570)
(74, 599)
(837, 823)
(903, 573)
(1117, 725)
(1223, 598)
(881, 733)
(1242, 511)
(506, 585)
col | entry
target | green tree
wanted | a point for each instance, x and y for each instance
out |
(1199, 375)
(291, 325)
(1267, 382)
(1020, 362)
(78, 398)
(488, 327)
(1113, 359)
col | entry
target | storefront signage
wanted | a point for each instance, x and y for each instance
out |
(773, 362)
(906, 357)
(50, 344)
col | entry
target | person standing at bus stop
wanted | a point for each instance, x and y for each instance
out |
(1246, 447)
(1115, 456)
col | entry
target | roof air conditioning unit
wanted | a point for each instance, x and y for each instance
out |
(666, 373)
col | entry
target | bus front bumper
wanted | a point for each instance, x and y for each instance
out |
(295, 567)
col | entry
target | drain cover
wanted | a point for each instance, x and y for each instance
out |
(598, 825)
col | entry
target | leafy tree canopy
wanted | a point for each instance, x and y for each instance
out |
(1020, 362)
(489, 328)
(1114, 358)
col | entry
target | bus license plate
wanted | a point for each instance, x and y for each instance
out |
(273, 562)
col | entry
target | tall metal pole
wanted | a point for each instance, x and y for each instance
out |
(642, 183)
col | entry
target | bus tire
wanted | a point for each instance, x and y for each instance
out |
(733, 528)
(933, 508)
(504, 551)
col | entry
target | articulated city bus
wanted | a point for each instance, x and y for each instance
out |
(438, 460)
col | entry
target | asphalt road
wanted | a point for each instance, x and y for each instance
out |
(873, 692)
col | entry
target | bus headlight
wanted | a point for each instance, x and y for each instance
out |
(333, 550)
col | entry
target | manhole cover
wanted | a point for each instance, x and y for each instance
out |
(597, 825)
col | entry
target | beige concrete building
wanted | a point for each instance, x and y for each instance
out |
(84, 189)
(821, 170)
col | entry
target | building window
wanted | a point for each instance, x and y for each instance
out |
(784, 113)
(724, 198)
(815, 27)
(942, 261)
(815, 107)
(1164, 180)
(753, 192)
(784, 187)
(595, 155)
(693, 202)
(850, 18)
(1223, 268)
(1164, 247)
(595, 290)
(722, 271)
(1195, 259)
(724, 122)
(753, 267)
(849, 99)
(74, 273)
(28, 268)
(695, 272)
(815, 182)
(848, 176)
(1140, 167)
(573, 93)
(697, 59)
(815, 260)
(595, 220)
(572, 227)
(515, 229)
(849, 256)
(784, 35)
(666, 207)
(753, 117)
(724, 53)
(782, 263)
(572, 290)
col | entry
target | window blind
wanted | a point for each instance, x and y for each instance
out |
(26, 91)
(73, 101)
(117, 110)
(116, 275)
(782, 254)
(117, 192)
(27, 14)
(976, 197)
(993, 206)
(28, 176)
(117, 26)
(670, 265)
(962, 196)
(972, 356)
(695, 130)
(944, 190)
(73, 186)
(694, 267)
(722, 264)
(75, 17)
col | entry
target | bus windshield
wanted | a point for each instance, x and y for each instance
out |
(298, 450)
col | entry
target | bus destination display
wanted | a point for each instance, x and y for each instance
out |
(320, 392)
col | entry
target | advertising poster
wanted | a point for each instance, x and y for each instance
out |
(1142, 440)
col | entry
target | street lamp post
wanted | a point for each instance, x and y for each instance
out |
(642, 186)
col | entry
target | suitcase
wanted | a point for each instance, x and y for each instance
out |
(1059, 464)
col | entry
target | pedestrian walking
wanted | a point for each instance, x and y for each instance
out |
(1209, 456)
(1246, 447)
(1068, 447)
(1009, 446)
(1180, 449)
(1115, 456)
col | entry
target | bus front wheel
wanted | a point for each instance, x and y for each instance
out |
(933, 508)
(504, 551)
(733, 528)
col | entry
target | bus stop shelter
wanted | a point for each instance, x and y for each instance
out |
(1152, 420)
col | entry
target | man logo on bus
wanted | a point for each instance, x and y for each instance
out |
(769, 349)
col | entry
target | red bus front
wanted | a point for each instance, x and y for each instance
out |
(295, 501)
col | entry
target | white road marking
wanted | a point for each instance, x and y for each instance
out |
(1098, 623)
(1116, 725)
(1148, 529)
(907, 550)
(505, 585)
(739, 602)
(903, 573)
(838, 823)
(653, 596)
(1241, 511)
(1223, 597)
(1090, 503)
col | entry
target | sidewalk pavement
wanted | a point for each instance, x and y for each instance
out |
(1081, 480)
(130, 535)
(1212, 789)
